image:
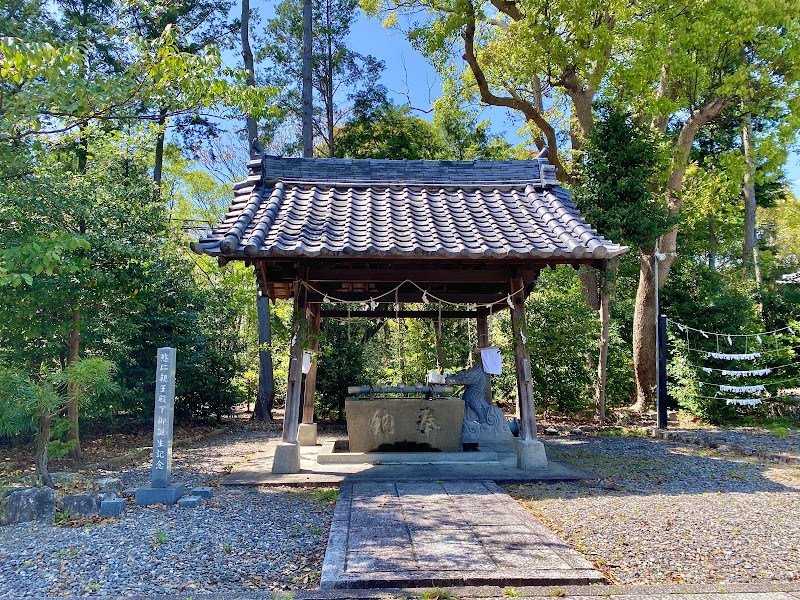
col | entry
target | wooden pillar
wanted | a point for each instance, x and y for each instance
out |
(483, 342)
(522, 362)
(314, 311)
(602, 363)
(287, 453)
(299, 329)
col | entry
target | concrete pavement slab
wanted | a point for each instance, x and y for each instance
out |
(428, 533)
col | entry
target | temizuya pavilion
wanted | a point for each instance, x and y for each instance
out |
(469, 232)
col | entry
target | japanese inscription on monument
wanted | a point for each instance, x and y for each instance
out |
(161, 474)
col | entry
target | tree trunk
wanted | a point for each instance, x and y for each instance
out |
(329, 74)
(749, 197)
(158, 163)
(591, 297)
(266, 383)
(249, 66)
(644, 341)
(308, 112)
(73, 433)
(42, 442)
(644, 334)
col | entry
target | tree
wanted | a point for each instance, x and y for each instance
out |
(31, 402)
(463, 137)
(618, 176)
(380, 129)
(336, 69)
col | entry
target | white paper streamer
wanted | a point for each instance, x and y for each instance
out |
(743, 401)
(730, 341)
(742, 388)
(707, 369)
(726, 356)
(756, 373)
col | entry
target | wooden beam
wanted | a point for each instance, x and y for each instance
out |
(406, 314)
(414, 297)
(402, 272)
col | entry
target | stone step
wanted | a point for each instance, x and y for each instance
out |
(189, 502)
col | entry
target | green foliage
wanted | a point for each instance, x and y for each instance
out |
(699, 297)
(32, 402)
(709, 300)
(619, 176)
(379, 129)
(463, 137)
(23, 400)
(561, 329)
(340, 364)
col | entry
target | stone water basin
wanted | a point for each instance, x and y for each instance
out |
(382, 423)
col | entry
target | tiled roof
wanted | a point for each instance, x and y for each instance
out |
(308, 207)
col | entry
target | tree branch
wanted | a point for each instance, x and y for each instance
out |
(508, 7)
(526, 108)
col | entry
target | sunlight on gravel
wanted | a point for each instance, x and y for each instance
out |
(665, 513)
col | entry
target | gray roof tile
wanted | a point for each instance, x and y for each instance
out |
(295, 207)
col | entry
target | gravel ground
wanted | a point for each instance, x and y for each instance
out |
(662, 512)
(666, 512)
(750, 441)
(243, 539)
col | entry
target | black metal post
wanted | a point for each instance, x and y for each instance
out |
(661, 404)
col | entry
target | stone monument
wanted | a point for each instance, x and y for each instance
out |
(162, 490)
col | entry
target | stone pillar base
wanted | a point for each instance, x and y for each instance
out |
(164, 495)
(307, 434)
(287, 458)
(531, 455)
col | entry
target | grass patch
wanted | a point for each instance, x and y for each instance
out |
(437, 594)
(622, 432)
(325, 496)
(780, 432)
(777, 426)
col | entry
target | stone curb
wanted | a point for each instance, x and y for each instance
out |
(754, 591)
(678, 436)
